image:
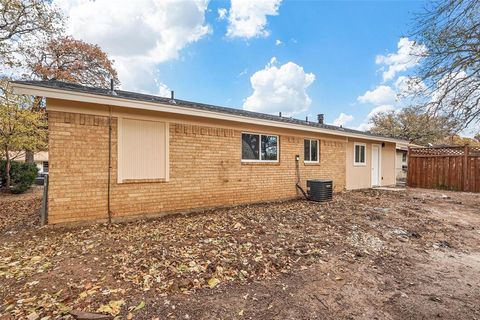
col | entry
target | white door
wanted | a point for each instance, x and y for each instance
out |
(375, 165)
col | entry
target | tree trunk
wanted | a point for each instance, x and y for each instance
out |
(7, 170)
(29, 156)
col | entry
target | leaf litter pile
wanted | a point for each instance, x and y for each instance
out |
(46, 273)
(18, 212)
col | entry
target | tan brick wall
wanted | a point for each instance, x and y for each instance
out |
(205, 170)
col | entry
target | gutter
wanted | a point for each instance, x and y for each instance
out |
(62, 94)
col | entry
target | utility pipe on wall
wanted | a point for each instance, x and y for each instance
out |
(109, 179)
(109, 164)
(297, 170)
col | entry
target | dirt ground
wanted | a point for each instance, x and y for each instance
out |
(370, 254)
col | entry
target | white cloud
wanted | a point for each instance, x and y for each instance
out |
(244, 72)
(278, 42)
(163, 90)
(455, 89)
(222, 13)
(342, 119)
(402, 83)
(248, 18)
(138, 35)
(380, 109)
(272, 62)
(407, 56)
(280, 89)
(380, 95)
(366, 125)
(404, 89)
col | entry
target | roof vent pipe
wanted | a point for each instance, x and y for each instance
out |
(112, 87)
(172, 97)
(320, 117)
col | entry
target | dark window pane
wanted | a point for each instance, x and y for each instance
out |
(362, 153)
(306, 150)
(357, 153)
(269, 148)
(250, 146)
(314, 150)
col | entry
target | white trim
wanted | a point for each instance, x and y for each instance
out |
(359, 164)
(167, 151)
(310, 151)
(379, 166)
(119, 149)
(176, 109)
(259, 148)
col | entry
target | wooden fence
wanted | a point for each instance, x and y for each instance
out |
(449, 168)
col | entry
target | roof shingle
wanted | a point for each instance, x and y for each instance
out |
(189, 104)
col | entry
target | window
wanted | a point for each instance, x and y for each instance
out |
(142, 150)
(359, 154)
(404, 157)
(310, 150)
(45, 166)
(259, 147)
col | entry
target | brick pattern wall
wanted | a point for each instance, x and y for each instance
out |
(205, 170)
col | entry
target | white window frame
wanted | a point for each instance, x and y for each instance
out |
(260, 148)
(43, 167)
(310, 150)
(359, 164)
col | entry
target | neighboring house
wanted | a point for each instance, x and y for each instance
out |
(174, 156)
(39, 158)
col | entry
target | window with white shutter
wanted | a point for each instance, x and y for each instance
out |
(142, 150)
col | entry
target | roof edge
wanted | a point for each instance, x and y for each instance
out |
(73, 95)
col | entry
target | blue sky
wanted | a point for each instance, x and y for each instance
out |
(210, 58)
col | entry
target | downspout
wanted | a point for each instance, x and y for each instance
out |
(346, 163)
(109, 190)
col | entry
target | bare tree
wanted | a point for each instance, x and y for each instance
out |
(457, 140)
(70, 60)
(413, 125)
(24, 20)
(67, 59)
(450, 29)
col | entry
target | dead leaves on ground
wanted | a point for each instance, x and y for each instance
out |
(20, 211)
(116, 270)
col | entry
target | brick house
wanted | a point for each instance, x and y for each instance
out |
(131, 154)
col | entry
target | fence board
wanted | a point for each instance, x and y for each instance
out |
(450, 168)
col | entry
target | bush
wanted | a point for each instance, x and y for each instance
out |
(22, 175)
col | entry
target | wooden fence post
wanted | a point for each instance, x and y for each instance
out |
(409, 170)
(465, 167)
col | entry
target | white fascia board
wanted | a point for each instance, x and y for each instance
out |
(63, 94)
